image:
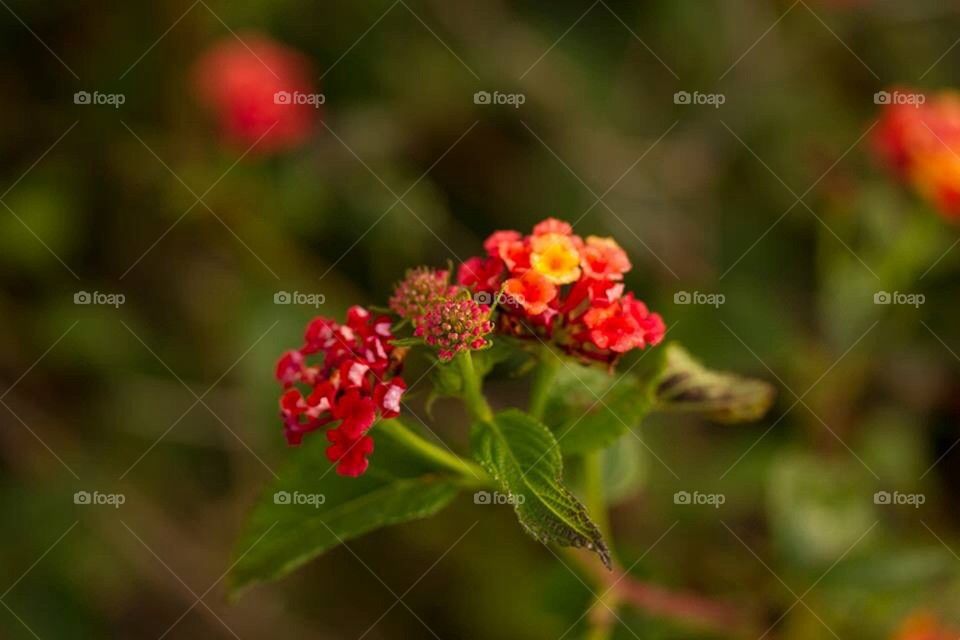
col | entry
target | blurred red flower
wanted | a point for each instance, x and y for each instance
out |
(924, 626)
(258, 90)
(918, 137)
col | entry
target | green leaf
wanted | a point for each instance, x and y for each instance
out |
(523, 456)
(282, 535)
(688, 386)
(589, 408)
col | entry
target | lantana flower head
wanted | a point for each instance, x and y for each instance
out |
(418, 291)
(355, 378)
(556, 286)
(455, 325)
(919, 139)
(253, 88)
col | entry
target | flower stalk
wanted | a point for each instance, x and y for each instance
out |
(543, 376)
(470, 473)
(473, 396)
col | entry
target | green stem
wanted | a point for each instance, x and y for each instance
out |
(473, 389)
(543, 377)
(472, 474)
(594, 494)
(603, 611)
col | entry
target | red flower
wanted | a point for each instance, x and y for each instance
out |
(289, 367)
(603, 259)
(356, 413)
(498, 240)
(624, 325)
(481, 274)
(254, 89)
(350, 454)
(920, 140)
(387, 396)
(353, 380)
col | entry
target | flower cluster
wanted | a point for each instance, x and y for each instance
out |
(445, 316)
(354, 379)
(416, 294)
(555, 284)
(920, 141)
(254, 89)
(455, 325)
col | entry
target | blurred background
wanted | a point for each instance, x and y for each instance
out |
(149, 229)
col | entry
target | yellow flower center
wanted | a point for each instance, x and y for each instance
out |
(556, 257)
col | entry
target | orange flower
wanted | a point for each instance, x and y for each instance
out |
(555, 256)
(920, 141)
(533, 291)
(603, 259)
(923, 626)
(936, 176)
